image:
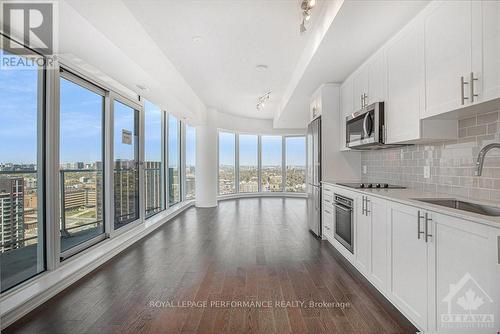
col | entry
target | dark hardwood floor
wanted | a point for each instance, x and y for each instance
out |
(245, 250)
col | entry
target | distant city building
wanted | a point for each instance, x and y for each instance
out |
(152, 186)
(11, 213)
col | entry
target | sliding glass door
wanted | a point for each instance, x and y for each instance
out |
(81, 153)
(126, 164)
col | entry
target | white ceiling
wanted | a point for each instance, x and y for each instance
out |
(150, 43)
(357, 29)
(236, 36)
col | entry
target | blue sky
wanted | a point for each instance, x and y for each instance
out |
(81, 119)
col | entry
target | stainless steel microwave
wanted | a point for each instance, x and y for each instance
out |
(365, 128)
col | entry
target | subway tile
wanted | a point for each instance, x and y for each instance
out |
(478, 130)
(487, 118)
(464, 123)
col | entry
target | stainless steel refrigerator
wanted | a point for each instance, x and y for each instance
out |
(314, 176)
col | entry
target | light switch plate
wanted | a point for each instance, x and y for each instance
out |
(427, 172)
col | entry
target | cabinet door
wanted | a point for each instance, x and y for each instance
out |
(409, 276)
(447, 55)
(360, 84)
(405, 85)
(347, 107)
(363, 236)
(486, 49)
(377, 78)
(466, 273)
(379, 242)
(327, 222)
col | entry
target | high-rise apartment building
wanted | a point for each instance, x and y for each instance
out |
(11, 212)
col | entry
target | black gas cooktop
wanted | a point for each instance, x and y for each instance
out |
(371, 185)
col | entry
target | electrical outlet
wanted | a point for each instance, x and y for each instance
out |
(427, 172)
(364, 169)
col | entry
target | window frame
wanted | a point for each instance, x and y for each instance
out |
(69, 75)
(284, 161)
(236, 157)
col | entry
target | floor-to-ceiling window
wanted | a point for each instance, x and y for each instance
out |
(295, 154)
(190, 161)
(22, 249)
(126, 169)
(81, 146)
(174, 161)
(227, 163)
(248, 163)
(272, 174)
(153, 159)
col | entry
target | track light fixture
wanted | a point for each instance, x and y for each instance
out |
(306, 6)
(261, 101)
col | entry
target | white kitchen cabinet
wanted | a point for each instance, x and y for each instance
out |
(327, 221)
(377, 78)
(486, 50)
(405, 85)
(448, 50)
(379, 241)
(372, 240)
(347, 108)
(363, 237)
(360, 88)
(466, 270)
(315, 107)
(409, 263)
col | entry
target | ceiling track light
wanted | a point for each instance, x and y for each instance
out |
(261, 101)
(306, 6)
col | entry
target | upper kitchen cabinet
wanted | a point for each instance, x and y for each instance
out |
(405, 85)
(447, 28)
(315, 107)
(377, 78)
(360, 86)
(485, 51)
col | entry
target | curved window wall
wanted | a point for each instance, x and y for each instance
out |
(251, 163)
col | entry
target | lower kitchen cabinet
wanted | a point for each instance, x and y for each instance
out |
(327, 220)
(441, 272)
(410, 263)
(372, 240)
(466, 275)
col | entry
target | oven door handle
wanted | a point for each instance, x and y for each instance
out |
(343, 208)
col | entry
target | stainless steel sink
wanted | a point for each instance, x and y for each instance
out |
(486, 210)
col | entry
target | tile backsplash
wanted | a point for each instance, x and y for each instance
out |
(451, 163)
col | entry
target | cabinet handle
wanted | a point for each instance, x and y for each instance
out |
(363, 206)
(472, 79)
(327, 211)
(362, 103)
(462, 89)
(418, 225)
(366, 100)
(427, 219)
(366, 203)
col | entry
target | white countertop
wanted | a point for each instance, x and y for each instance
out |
(408, 197)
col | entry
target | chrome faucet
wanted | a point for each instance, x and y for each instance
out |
(481, 155)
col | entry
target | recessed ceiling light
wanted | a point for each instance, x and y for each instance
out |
(261, 68)
(197, 39)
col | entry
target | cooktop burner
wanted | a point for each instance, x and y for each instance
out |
(371, 185)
